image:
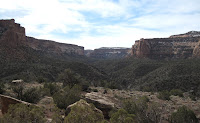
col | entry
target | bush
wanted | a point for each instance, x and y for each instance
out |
(183, 115)
(57, 116)
(67, 96)
(41, 79)
(2, 88)
(20, 113)
(32, 95)
(192, 97)
(53, 87)
(18, 90)
(176, 92)
(122, 116)
(95, 90)
(164, 95)
(82, 112)
(69, 78)
(144, 112)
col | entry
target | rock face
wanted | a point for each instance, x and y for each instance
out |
(14, 42)
(108, 52)
(176, 47)
(101, 102)
(11, 33)
(6, 101)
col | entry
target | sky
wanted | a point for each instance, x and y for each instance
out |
(102, 23)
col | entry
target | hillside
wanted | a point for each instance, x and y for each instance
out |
(153, 75)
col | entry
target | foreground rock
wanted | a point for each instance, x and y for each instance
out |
(101, 102)
(6, 101)
(83, 112)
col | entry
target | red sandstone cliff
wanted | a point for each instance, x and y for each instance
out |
(13, 42)
(177, 46)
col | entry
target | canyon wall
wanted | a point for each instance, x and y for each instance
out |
(13, 40)
(108, 52)
(176, 47)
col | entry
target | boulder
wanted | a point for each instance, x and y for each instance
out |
(83, 112)
(101, 102)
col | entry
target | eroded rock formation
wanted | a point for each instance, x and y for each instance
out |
(6, 101)
(178, 46)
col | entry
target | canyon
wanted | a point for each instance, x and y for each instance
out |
(175, 47)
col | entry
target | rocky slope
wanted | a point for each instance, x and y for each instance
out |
(177, 46)
(14, 43)
(108, 53)
(166, 107)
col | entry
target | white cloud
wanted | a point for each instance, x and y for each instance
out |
(136, 19)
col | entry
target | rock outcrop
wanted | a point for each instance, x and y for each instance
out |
(108, 52)
(175, 47)
(6, 101)
(82, 103)
(83, 112)
(101, 102)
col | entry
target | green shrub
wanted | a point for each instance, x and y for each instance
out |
(95, 90)
(183, 115)
(53, 87)
(32, 95)
(82, 112)
(2, 88)
(176, 92)
(20, 113)
(69, 78)
(192, 97)
(57, 116)
(164, 95)
(18, 90)
(145, 112)
(41, 79)
(122, 116)
(67, 96)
